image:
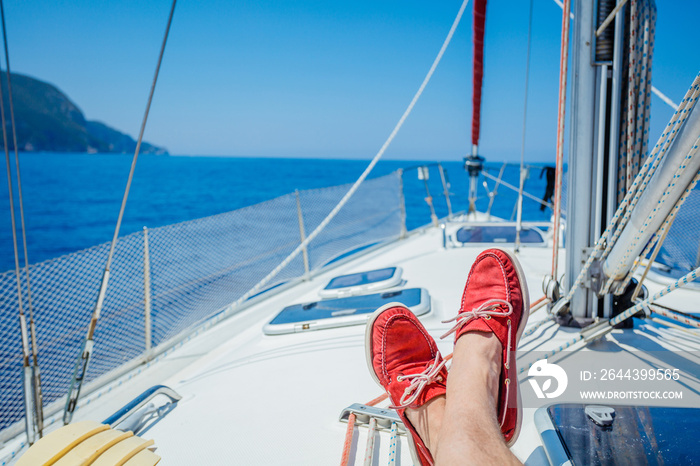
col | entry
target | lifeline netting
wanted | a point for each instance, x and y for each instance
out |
(197, 268)
(681, 249)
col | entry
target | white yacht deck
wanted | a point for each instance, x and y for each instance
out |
(250, 398)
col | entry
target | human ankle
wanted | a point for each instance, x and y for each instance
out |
(427, 420)
(479, 345)
(478, 355)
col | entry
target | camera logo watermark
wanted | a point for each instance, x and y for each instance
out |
(548, 371)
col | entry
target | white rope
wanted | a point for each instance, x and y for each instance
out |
(681, 282)
(369, 168)
(369, 449)
(658, 240)
(653, 161)
(392, 445)
(661, 235)
(677, 316)
(613, 230)
(641, 33)
(610, 17)
(641, 231)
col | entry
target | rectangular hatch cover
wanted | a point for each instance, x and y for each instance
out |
(341, 312)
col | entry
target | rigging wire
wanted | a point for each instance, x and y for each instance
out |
(86, 351)
(37, 412)
(608, 326)
(608, 238)
(518, 224)
(563, 68)
(369, 168)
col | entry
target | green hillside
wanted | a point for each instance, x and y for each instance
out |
(48, 121)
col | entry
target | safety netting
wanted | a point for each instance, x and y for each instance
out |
(197, 268)
(681, 248)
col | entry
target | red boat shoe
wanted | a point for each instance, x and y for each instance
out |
(496, 300)
(404, 359)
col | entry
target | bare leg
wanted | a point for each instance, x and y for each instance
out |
(427, 421)
(470, 432)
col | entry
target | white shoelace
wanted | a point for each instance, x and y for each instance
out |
(486, 310)
(420, 381)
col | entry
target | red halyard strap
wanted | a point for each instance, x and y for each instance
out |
(479, 26)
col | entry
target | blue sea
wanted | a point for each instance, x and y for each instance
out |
(71, 201)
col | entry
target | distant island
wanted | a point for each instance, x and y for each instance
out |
(48, 121)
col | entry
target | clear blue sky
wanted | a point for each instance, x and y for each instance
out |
(317, 78)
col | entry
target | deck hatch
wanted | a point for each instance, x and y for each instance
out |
(362, 282)
(340, 312)
(497, 234)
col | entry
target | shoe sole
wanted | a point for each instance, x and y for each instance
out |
(523, 322)
(368, 357)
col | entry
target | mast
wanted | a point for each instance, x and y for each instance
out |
(603, 91)
(582, 157)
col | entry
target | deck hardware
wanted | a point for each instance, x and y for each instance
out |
(473, 164)
(524, 175)
(424, 175)
(79, 372)
(445, 189)
(596, 330)
(140, 401)
(492, 194)
(444, 235)
(29, 408)
(551, 288)
(601, 415)
(147, 295)
(624, 301)
(402, 206)
(595, 278)
(363, 413)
